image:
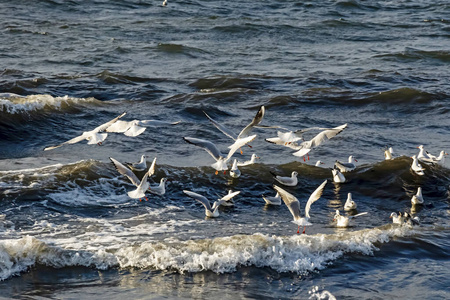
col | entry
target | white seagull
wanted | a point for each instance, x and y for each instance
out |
(397, 218)
(221, 160)
(139, 166)
(318, 163)
(423, 155)
(210, 211)
(244, 132)
(346, 167)
(272, 200)
(343, 221)
(141, 185)
(409, 220)
(338, 177)
(136, 127)
(93, 137)
(417, 199)
(159, 189)
(349, 204)
(234, 171)
(289, 181)
(388, 153)
(248, 162)
(294, 205)
(306, 146)
(416, 167)
(438, 159)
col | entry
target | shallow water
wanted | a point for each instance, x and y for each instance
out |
(68, 228)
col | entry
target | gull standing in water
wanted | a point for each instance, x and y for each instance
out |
(93, 137)
(139, 166)
(289, 181)
(294, 205)
(221, 160)
(343, 221)
(272, 200)
(244, 132)
(159, 189)
(416, 167)
(349, 204)
(338, 177)
(346, 167)
(141, 185)
(417, 199)
(234, 171)
(397, 218)
(248, 162)
(136, 127)
(409, 220)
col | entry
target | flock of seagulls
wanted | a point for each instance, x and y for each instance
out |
(292, 139)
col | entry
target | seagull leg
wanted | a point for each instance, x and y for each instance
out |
(304, 159)
(99, 143)
(298, 229)
(307, 155)
(224, 172)
(242, 152)
(250, 146)
(217, 172)
(304, 230)
(146, 199)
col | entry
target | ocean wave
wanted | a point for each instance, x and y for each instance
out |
(299, 254)
(12, 104)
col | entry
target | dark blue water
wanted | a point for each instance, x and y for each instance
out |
(68, 228)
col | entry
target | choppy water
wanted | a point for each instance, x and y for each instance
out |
(68, 228)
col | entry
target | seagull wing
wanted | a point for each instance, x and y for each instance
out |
(105, 126)
(125, 171)
(199, 198)
(120, 126)
(361, 214)
(326, 135)
(207, 145)
(238, 144)
(155, 123)
(134, 130)
(152, 168)
(291, 202)
(256, 120)
(230, 195)
(314, 197)
(77, 139)
(222, 128)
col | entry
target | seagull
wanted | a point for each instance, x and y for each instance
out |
(318, 163)
(346, 167)
(290, 138)
(289, 181)
(438, 159)
(306, 146)
(416, 167)
(141, 185)
(248, 162)
(228, 198)
(275, 200)
(136, 127)
(343, 221)
(417, 198)
(212, 212)
(93, 137)
(164, 3)
(423, 156)
(388, 153)
(234, 171)
(139, 166)
(397, 218)
(244, 132)
(338, 177)
(221, 160)
(159, 189)
(294, 205)
(409, 220)
(349, 204)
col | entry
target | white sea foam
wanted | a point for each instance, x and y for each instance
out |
(104, 244)
(15, 104)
